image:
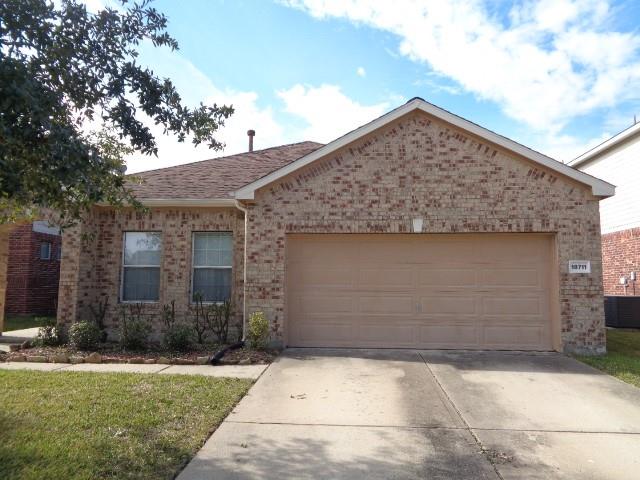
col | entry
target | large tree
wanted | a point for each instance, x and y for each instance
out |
(62, 69)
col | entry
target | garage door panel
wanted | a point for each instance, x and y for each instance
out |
(479, 291)
(323, 304)
(385, 276)
(447, 277)
(448, 335)
(510, 278)
(508, 335)
(386, 304)
(512, 305)
(455, 305)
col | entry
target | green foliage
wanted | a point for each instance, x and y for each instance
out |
(134, 328)
(199, 314)
(84, 335)
(178, 337)
(49, 335)
(258, 334)
(218, 320)
(62, 68)
(99, 312)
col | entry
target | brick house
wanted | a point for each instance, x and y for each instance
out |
(419, 229)
(618, 161)
(33, 269)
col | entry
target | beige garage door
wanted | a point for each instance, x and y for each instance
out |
(476, 291)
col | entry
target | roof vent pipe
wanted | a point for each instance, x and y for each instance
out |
(251, 133)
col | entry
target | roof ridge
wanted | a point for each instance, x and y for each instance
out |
(225, 157)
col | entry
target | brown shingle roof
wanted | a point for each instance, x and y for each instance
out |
(217, 177)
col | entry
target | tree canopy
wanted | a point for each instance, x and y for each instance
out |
(63, 68)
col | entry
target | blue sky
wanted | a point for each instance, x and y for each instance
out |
(556, 75)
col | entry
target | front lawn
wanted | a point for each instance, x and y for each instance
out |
(69, 425)
(623, 356)
(26, 321)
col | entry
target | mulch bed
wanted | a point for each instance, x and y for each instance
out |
(112, 353)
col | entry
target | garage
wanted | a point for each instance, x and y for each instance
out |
(458, 291)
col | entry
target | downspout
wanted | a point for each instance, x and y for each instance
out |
(244, 268)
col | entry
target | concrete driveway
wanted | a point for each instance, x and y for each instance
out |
(381, 414)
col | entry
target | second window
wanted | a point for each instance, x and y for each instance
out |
(212, 265)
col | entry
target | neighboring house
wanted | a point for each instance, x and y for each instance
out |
(33, 269)
(419, 229)
(618, 161)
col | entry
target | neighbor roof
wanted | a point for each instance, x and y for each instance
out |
(216, 178)
(614, 141)
(599, 187)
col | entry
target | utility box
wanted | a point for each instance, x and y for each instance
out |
(622, 312)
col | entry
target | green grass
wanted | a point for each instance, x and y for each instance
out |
(623, 356)
(69, 425)
(27, 321)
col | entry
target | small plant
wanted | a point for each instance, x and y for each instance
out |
(134, 328)
(51, 335)
(218, 321)
(199, 313)
(99, 312)
(178, 337)
(258, 334)
(84, 335)
(169, 315)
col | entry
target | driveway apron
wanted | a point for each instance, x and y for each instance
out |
(402, 414)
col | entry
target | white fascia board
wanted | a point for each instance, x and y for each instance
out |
(606, 145)
(184, 202)
(600, 188)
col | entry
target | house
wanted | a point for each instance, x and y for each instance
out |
(33, 269)
(419, 229)
(618, 161)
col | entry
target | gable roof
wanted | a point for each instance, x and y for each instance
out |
(613, 142)
(213, 180)
(599, 187)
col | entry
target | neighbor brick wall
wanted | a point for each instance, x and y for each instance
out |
(421, 167)
(620, 257)
(32, 283)
(91, 267)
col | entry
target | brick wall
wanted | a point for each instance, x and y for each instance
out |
(91, 268)
(421, 167)
(415, 167)
(620, 257)
(32, 283)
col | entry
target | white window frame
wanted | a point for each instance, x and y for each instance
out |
(48, 257)
(219, 267)
(122, 267)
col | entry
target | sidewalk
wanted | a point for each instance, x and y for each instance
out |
(234, 371)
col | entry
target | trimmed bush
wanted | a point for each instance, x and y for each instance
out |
(84, 335)
(258, 334)
(49, 336)
(178, 337)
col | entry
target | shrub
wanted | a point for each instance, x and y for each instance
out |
(84, 335)
(178, 337)
(258, 334)
(218, 320)
(51, 335)
(134, 328)
(99, 312)
(200, 313)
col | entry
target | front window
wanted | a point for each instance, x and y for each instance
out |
(141, 267)
(45, 251)
(212, 264)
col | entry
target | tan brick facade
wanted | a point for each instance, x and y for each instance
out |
(91, 266)
(414, 167)
(418, 167)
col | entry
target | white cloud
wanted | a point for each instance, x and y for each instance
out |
(549, 62)
(361, 72)
(327, 111)
(195, 86)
